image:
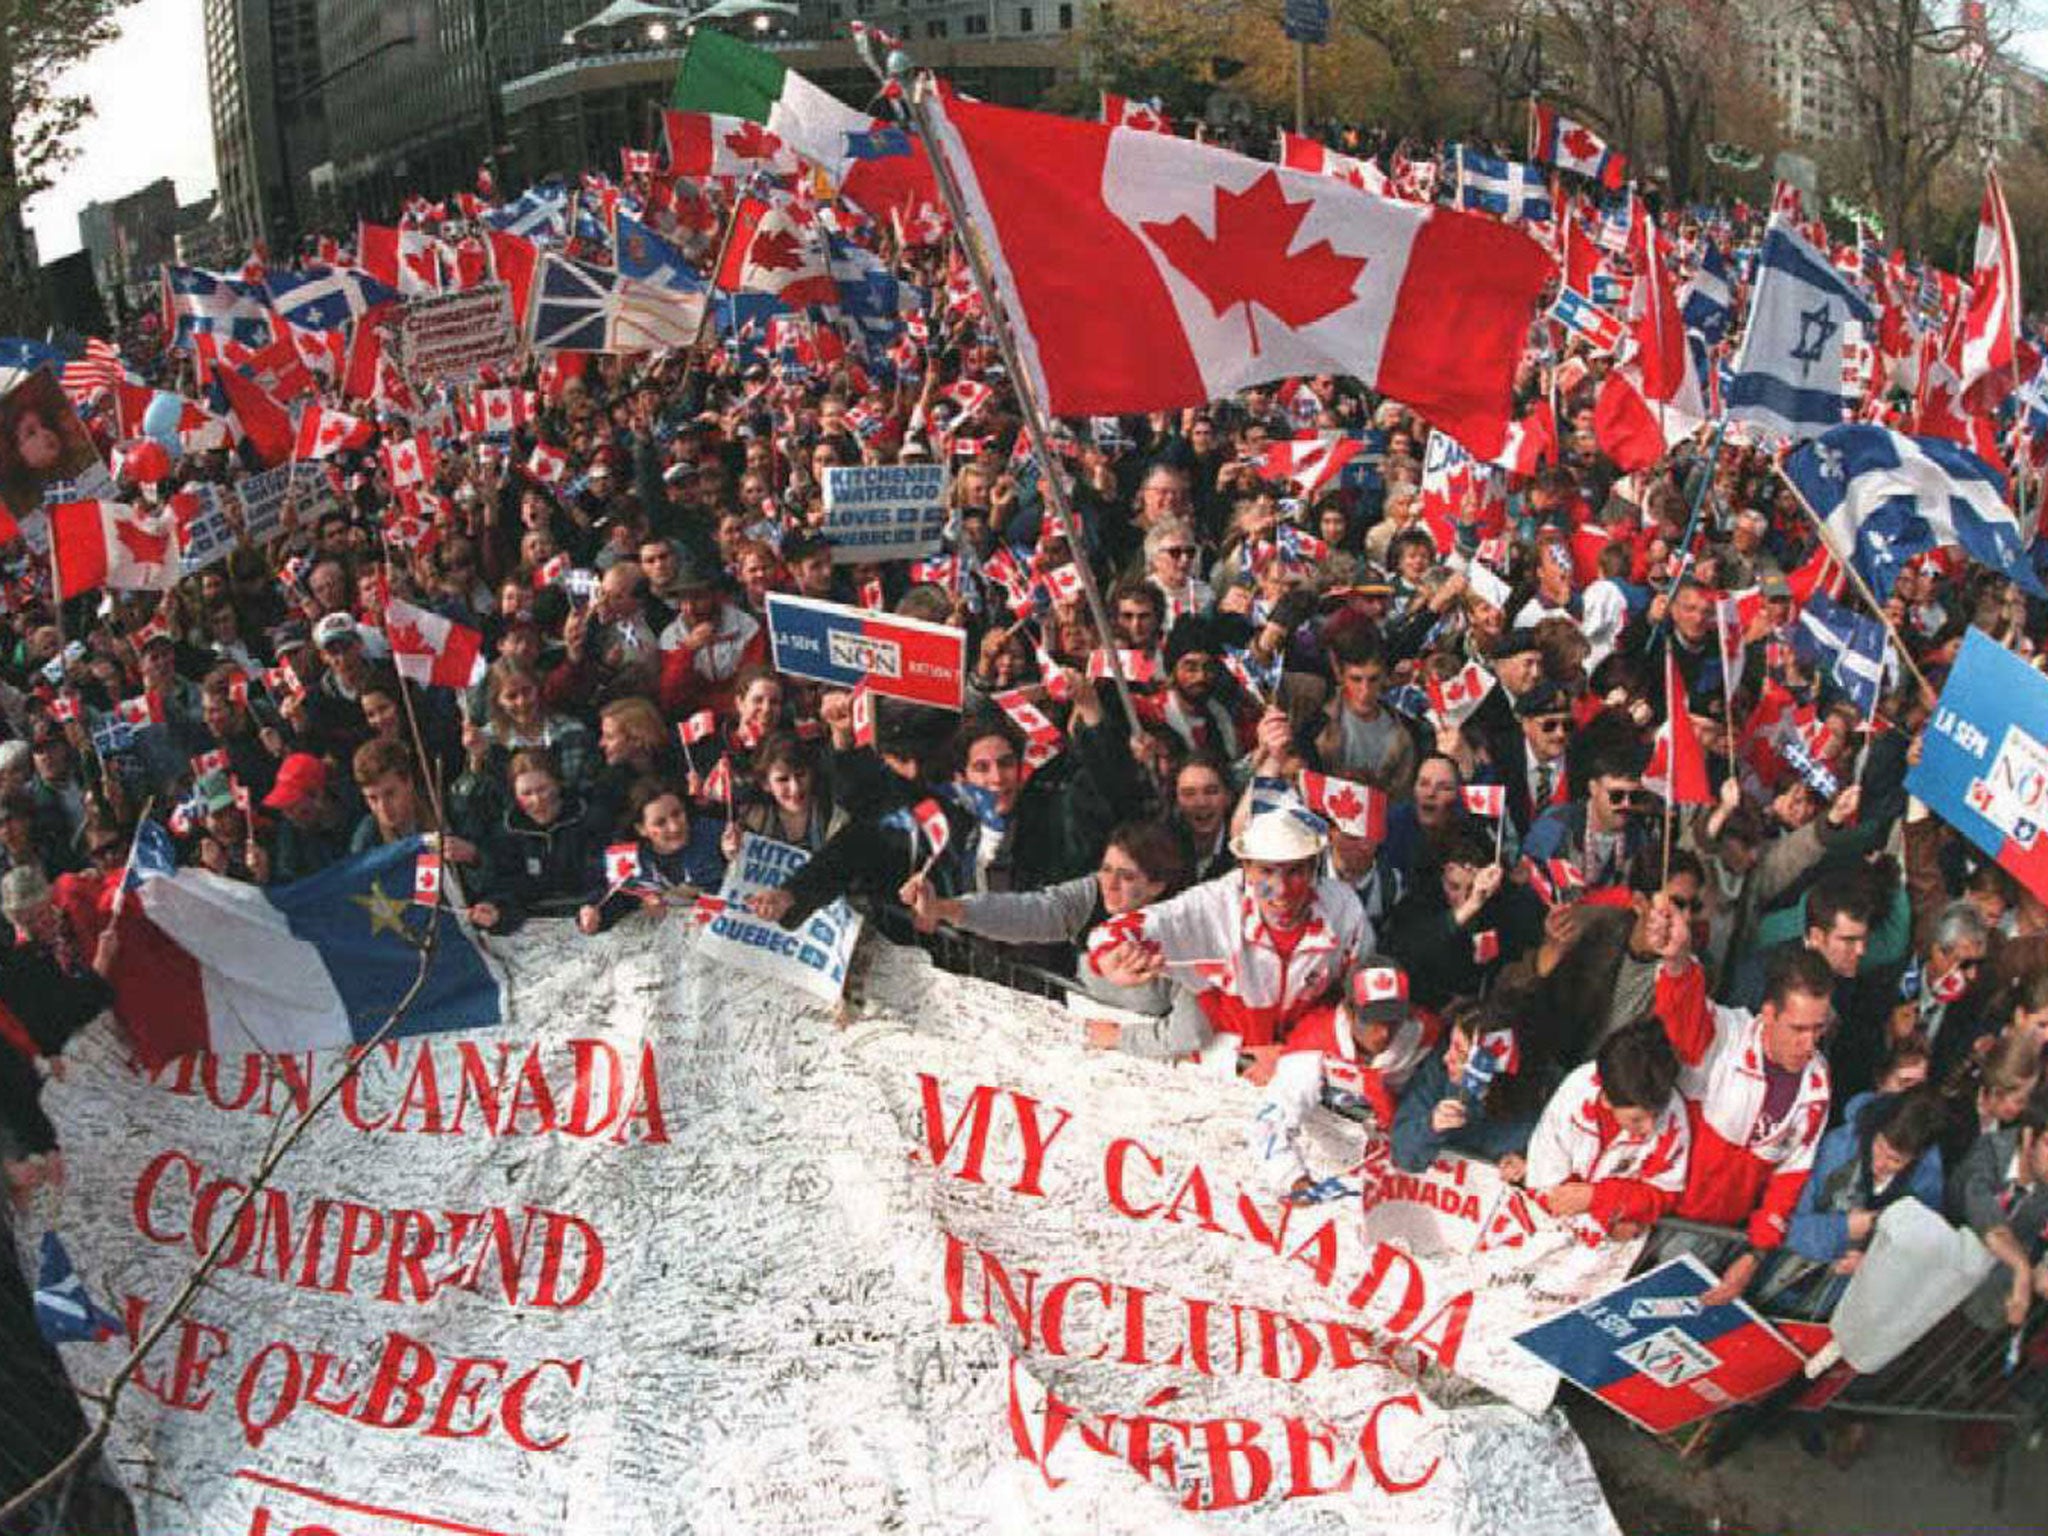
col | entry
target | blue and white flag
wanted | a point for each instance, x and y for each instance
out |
(577, 307)
(153, 855)
(64, 1313)
(1507, 189)
(647, 257)
(325, 298)
(541, 213)
(1788, 375)
(1884, 498)
(1709, 299)
(1845, 645)
(199, 302)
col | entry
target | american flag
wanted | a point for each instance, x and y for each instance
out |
(99, 369)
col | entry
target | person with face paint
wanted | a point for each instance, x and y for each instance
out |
(1258, 948)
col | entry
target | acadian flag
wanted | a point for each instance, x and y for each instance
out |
(724, 76)
(213, 964)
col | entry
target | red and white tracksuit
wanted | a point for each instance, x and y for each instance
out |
(1321, 1066)
(1634, 1178)
(1744, 1173)
(1251, 987)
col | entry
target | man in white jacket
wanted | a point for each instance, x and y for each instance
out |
(1610, 1153)
(1259, 947)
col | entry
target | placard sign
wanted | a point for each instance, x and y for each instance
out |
(884, 511)
(898, 658)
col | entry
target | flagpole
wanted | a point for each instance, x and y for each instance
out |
(1856, 576)
(918, 102)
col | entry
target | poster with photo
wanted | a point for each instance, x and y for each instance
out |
(42, 444)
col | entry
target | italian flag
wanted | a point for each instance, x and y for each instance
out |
(723, 76)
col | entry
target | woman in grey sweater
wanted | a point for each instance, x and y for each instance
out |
(1143, 862)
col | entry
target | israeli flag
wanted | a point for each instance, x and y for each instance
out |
(1507, 189)
(1788, 375)
(1709, 299)
(1885, 498)
(1845, 645)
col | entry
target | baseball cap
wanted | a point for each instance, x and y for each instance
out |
(301, 777)
(1378, 992)
(333, 629)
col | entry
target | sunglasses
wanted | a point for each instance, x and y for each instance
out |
(1554, 723)
(1179, 551)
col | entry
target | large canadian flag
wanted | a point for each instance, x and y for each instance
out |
(1145, 272)
(430, 649)
(108, 544)
(1991, 325)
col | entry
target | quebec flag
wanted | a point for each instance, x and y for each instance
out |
(65, 1314)
(1508, 189)
(1788, 375)
(1883, 498)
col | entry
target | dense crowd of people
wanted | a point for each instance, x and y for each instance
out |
(1313, 857)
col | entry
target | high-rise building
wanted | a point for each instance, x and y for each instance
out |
(412, 88)
(263, 76)
(130, 238)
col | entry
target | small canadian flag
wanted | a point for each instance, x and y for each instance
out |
(931, 821)
(871, 594)
(409, 462)
(707, 908)
(1064, 582)
(698, 727)
(621, 864)
(143, 709)
(282, 682)
(1486, 946)
(1486, 799)
(64, 707)
(426, 878)
(863, 716)
(548, 465)
(1379, 984)
(215, 761)
(550, 572)
(238, 689)
(718, 782)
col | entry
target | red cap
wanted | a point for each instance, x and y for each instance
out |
(300, 778)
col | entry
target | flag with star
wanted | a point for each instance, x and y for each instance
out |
(213, 964)
(1788, 375)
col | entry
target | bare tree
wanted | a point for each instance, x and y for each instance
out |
(1920, 80)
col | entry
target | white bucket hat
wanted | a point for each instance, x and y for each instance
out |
(1279, 837)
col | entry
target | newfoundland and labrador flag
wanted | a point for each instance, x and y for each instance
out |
(213, 964)
(1882, 498)
(1145, 272)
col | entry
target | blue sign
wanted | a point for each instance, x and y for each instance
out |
(1984, 759)
(1306, 21)
(1654, 1352)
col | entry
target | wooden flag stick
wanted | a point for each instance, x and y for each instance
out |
(919, 102)
(1855, 576)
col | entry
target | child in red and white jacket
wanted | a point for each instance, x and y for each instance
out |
(1351, 1057)
(1610, 1153)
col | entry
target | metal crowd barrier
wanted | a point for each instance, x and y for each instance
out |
(1957, 1372)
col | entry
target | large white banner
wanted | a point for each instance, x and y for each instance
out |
(671, 1252)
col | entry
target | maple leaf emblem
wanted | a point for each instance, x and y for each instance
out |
(1247, 260)
(776, 250)
(1579, 144)
(750, 141)
(144, 544)
(1345, 804)
(405, 638)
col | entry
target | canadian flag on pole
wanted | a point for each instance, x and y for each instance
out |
(550, 466)
(323, 433)
(1123, 112)
(409, 462)
(108, 544)
(1311, 462)
(931, 821)
(1990, 326)
(1146, 272)
(621, 864)
(1678, 765)
(430, 649)
(1486, 799)
(1453, 699)
(1318, 159)
(426, 878)
(1356, 810)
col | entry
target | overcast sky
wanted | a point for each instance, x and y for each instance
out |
(150, 91)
